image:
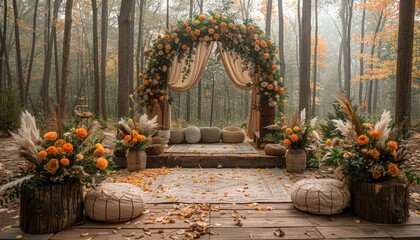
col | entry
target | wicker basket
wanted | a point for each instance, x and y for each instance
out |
(296, 160)
(136, 161)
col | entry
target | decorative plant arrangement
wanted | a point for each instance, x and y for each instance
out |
(246, 39)
(369, 152)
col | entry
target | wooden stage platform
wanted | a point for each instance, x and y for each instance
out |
(241, 221)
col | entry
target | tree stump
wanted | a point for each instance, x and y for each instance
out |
(381, 202)
(51, 208)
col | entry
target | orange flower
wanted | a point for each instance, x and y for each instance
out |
(376, 174)
(193, 38)
(168, 47)
(294, 137)
(231, 25)
(296, 128)
(202, 17)
(99, 152)
(127, 138)
(68, 148)
(50, 136)
(188, 29)
(277, 51)
(269, 42)
(141, 138)
(374, 134)
(160, 46)
(211, 30)
(52, 150)
(101, 163)
(146, 82)
(284, 127)
(393, 169)
(59, 143)
(184, 47)
(274, 67)
(140, 76)
(362, 140)
(251, 28)
(281, 91)
(288, 130)
(197, 32)
(266, 55)
(167, 37)
(161, 98)
(270, 86)
(79, 156)
(157, 77)
(216, 35)
(52, 166)
(392, 145)
(328, 142)
(217, 16)
(81, 132)
(222, 24)
(141, 87)
(65, 161)
(374, 153)
(229, 35)
(42, 154)
(263, 44)
(286, 142)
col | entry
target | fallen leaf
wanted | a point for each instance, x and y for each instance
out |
(131, 234)
(357, 221)
(279, 233)
(238, 222)
(250, 235)
(19, 236)
(180, 232)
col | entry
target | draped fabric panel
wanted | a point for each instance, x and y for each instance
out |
(254, 116)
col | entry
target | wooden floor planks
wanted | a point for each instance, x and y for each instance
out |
(255, 225)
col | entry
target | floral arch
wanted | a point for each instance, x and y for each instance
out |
(173, 58)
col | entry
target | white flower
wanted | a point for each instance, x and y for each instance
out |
(266, 93)
(281, 80)
(160, 53)
(271, 103)
(313, 122)
(315, 135)
(257, 48)
(344, 127)
(382, 126)
(164, 68)
(264, 84)
(239, 36)
(176, 40)
(276, 83)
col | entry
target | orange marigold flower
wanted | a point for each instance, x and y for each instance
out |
(296, 128)
(216, 35)
(374, 153)
(101, 163)
(52, 150)
(374, 134)
(274, 67)
(362, 140)
(79, 156)
(50, 136)
(146, 82)
(193, 38)
(281, 91)
(59, 143)
(286, 142)
(161, 98)
(65, 161)
(167, 37)
(168, 47)
(222, 24)
(328, 142)
(376, 174)
(81, 132)
(98, 145)
(211, 30)
(140, 76)
(160, 46)
(188, 29)
(294, 137)
(392, 145)
(141, 138)
(231, 25)
(141, 87)
(42, 154)
(266, 55)
(270, 86)
(288, 130)
(217, 16)
(67, 148)
(393, 169)
(127, 138)
(251, 28)
(99, 152)
(202, 17)
(263, 44)
(184, 47)
(197, 32)
(277, 51)
(52, 166)
(269, 42)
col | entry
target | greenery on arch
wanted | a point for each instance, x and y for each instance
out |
(244, 38)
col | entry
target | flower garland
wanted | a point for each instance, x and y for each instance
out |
(244, 38)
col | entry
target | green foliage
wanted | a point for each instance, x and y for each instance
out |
(9, 111)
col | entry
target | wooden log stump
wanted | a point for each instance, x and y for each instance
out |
(51, 208)
(381, 202)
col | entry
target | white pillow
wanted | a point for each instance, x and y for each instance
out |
(192, 134)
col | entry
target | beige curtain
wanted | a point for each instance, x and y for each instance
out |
(234, 68)
(175, 81)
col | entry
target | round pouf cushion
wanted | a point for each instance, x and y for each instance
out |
(192, 134)
(320, 196)
(275, 149)
(233, 135)
(177, 136)
(114, 202)
(210, 134)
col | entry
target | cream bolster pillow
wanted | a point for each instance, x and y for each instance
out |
(114, 202)
(320, 196)
(192, 134)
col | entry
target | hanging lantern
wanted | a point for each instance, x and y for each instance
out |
(207, 91)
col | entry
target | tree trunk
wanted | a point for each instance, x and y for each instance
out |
(305, 57)
(347, 8)
(124, 25)
(268, 18)
(51, 208)
(404, 64)
(104, 42)
(56, 66)
(47, 61)
(65, 71)
(340, 65)
(315, 59)
(381, 202)
(21, 81)
(139, 53)
(281, 39)
(31, 59)
(167, 14)
(362, 49)
(376, 87)
(95, 49)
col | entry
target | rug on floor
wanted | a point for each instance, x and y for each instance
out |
(203, 148)
(224, 185)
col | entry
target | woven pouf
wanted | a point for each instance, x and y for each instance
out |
(192, 134)
(233, 135)
(114, 202)
(177, 136)
(320, 196)
(210, 134)
(275, 149)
